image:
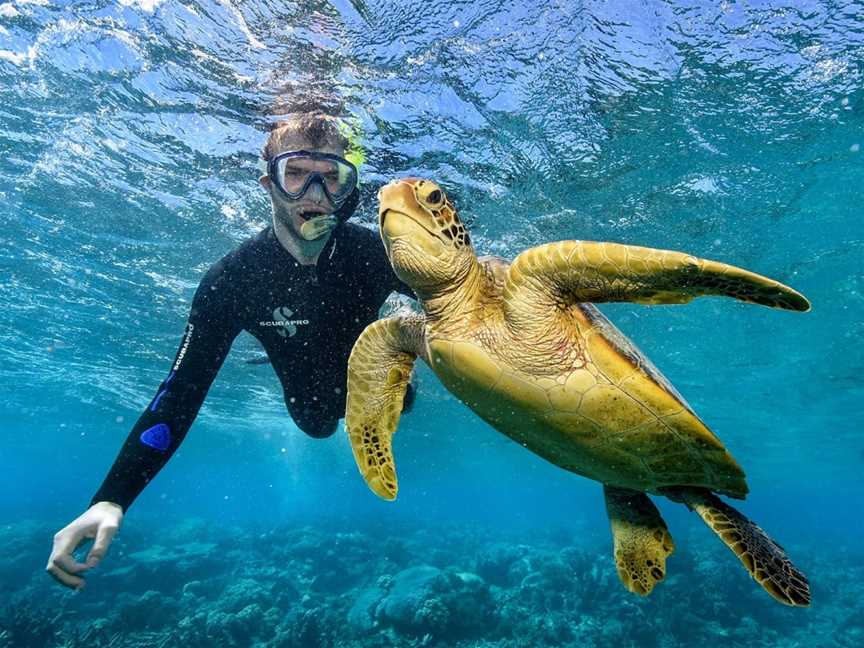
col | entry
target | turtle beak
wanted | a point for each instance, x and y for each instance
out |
(382, 210)
(392, 197)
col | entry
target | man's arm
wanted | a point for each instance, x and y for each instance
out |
(212, 327)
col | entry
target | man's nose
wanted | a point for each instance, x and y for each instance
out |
(316, 192)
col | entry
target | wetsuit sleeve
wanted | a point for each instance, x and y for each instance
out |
(212, 327)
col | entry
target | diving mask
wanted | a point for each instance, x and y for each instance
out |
(293, 172)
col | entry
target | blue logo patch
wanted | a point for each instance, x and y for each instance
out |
(158, 436)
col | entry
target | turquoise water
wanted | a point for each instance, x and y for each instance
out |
(129, 135)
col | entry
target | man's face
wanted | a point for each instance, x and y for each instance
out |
(293, 213)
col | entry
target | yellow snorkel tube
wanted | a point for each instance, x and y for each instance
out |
(317, 227)
(354, 134)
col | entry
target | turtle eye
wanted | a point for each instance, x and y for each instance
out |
(434, 197)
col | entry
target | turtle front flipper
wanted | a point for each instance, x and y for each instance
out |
(766, 560)
(584, 271)
(378, 371)
(641, 540)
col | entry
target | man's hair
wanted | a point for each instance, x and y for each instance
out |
(317, 128)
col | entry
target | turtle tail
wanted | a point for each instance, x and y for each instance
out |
(766, 560)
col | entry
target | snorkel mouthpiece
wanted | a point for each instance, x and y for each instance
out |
(316, 227)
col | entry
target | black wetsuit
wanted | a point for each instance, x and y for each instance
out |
(307, 318)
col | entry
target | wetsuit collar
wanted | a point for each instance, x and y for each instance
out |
(324, 258)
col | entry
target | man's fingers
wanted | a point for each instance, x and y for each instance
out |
(100, 522)
(67, 563)
(104, 535)
(64, 545)
(61, 565)
(74, 582)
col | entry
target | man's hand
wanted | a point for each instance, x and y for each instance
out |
(101, 521)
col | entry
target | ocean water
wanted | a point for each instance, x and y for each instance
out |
(129, 134)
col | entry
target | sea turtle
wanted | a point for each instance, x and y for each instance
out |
(521, 344)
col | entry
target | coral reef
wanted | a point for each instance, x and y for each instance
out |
(317, 587)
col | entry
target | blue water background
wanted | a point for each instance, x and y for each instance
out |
(129, 135)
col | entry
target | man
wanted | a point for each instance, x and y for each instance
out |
(305, 287)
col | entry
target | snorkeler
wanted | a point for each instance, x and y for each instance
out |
(305, 287)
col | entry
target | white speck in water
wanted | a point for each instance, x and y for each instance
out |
(455, 23)
(284, 450)
(226, 497)
(855, 148)
(119, 419)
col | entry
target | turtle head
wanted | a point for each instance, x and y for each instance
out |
(425, 240)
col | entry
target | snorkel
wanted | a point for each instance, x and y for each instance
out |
(320, 225)
(316, 227)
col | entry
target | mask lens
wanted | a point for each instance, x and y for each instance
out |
(294, 174)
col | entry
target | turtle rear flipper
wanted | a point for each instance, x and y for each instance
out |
(378, 372)
(641, 540)
(766, 560)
